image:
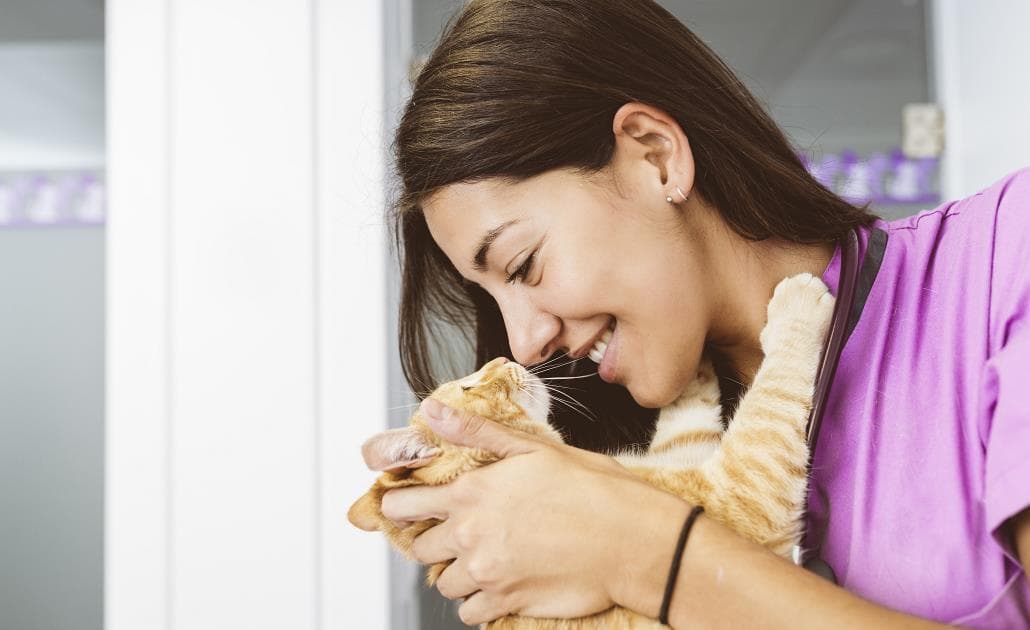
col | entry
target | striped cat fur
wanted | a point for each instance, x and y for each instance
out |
(752, 477)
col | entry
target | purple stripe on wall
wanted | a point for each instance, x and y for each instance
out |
(39, 200)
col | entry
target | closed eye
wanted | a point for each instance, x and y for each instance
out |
(523, 271)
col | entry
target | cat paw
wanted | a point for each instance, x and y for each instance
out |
(799, 313)
(705, 386)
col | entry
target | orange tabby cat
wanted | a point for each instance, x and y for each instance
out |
(752, 477)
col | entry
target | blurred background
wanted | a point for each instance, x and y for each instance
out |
(197, 326)
(51, 313)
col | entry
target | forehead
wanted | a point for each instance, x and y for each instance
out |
(459, 215)
(470, 208)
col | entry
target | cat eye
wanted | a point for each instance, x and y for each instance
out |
(465, 388)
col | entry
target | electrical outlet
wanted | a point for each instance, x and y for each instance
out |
(922, 130)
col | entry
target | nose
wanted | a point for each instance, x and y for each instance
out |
(532, 332)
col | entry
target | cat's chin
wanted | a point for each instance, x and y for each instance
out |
(533, 397)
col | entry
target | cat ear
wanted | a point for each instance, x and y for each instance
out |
(364, 513)
(397, 449)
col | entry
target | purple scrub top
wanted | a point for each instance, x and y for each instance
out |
(924, 449)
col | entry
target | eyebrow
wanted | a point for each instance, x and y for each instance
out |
(479, 260)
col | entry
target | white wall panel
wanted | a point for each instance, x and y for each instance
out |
(352, 306)
(982, 57)
(136, 527)
(242, 287)
(251, 227)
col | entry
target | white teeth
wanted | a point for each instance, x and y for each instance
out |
(597, 352)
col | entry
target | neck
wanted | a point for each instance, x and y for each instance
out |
(746, 290)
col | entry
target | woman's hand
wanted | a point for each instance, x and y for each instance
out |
(547, 531)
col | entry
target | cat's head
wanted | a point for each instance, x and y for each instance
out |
(501, 390)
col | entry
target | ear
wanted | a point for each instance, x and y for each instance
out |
(397, 449)
(646, 131)
(364, 514)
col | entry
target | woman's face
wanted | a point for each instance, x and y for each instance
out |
(567, 257)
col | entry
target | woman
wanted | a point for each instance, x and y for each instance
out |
(575, 166)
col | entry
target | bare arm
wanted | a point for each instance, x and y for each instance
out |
(726, 581)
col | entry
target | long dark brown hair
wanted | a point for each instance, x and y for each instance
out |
(516, 88)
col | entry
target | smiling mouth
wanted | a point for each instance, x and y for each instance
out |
(596, 352)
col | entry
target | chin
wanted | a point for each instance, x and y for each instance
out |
(653, 398)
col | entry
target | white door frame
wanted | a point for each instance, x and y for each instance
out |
(247, 328)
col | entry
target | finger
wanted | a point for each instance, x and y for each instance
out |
(455, 583)
(436, 544)
(416, 503)
(480, 608)
(466, 429)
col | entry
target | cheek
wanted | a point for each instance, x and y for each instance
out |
(571, 290)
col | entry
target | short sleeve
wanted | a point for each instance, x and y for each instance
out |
(1007, 384)
(1006, 375)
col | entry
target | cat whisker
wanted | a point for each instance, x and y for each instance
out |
(554, 359)
(555, 398)
(405, 392)
(565, 378)
(528, 391)
(555, 369)
(568, 387)
(552, 364)
(570, 402)
(416, 393)
(575, 409)
(552, 389)
(579, 408)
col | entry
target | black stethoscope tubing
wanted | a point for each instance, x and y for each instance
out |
(837, 335)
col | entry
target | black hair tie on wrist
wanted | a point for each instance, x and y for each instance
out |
(670, 584)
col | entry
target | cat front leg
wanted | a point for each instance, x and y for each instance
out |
(759, 475)
(687, 431)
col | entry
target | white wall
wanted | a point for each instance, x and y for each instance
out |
(982, 56)
(246, 323)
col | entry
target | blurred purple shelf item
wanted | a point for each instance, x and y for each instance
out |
(880, 178)
(56, 199)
